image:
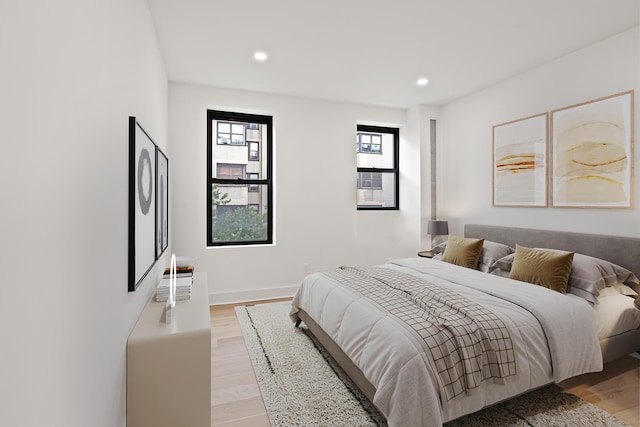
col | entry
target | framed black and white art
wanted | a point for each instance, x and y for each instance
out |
(142, 203)
(162, 203)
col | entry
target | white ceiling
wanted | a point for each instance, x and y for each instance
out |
(373, 51)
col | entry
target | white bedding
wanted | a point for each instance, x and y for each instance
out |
(615, 314)
(553, 334)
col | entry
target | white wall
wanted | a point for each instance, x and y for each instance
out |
(465, 149)
(316, 220)
(72, 72)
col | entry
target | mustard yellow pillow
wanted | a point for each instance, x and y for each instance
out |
(550, 269)
(463, 251)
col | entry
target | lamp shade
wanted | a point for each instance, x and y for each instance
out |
(438, 228)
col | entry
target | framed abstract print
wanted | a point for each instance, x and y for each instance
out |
(162, 203)
(592, 153)
(520, 162)
(142, 203)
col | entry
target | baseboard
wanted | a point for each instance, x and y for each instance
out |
(222, 298)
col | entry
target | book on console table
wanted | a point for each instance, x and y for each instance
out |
(182, 284)
(178, 298)
(183, 289)
(180, 271)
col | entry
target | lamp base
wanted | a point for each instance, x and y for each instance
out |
(436, 240)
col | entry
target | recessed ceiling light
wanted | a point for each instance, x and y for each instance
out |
(422, 82)
(260, 56)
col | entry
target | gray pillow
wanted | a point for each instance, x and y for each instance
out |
(503, 265)
(439, 249)
(500, 272)
(588, 275)
(491, 252)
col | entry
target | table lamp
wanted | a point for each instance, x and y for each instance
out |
(437, 229)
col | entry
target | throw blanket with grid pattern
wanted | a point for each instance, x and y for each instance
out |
(467, 342)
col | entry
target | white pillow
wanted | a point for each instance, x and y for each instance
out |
(492, 252)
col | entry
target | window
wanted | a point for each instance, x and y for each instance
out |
(378, 170)
(226, 171)
(253, 187)
(240, 196)
(372, 180)
(369, 143)
(230, 133)
(254, 151)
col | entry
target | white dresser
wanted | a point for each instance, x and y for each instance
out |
(169, 365)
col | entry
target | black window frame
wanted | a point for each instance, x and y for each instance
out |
(396, 164)
(267, 182)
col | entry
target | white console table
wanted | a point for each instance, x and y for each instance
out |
(169, 365)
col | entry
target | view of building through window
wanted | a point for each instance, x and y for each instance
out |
(239, 176)
(377, 163)
(369, 143)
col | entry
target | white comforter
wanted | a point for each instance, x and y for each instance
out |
(553, 334)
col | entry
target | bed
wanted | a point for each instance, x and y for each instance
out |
(527, 336)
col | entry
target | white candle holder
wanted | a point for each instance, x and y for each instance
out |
(171, 301)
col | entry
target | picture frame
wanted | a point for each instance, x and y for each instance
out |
(162, 203)
(592, 153)
(520, 162)
(142, 203)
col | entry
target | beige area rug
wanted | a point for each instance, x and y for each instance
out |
(302, 385)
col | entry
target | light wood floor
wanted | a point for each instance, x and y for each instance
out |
(236, 399)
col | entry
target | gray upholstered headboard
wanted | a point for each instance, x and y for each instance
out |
(624, 251)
